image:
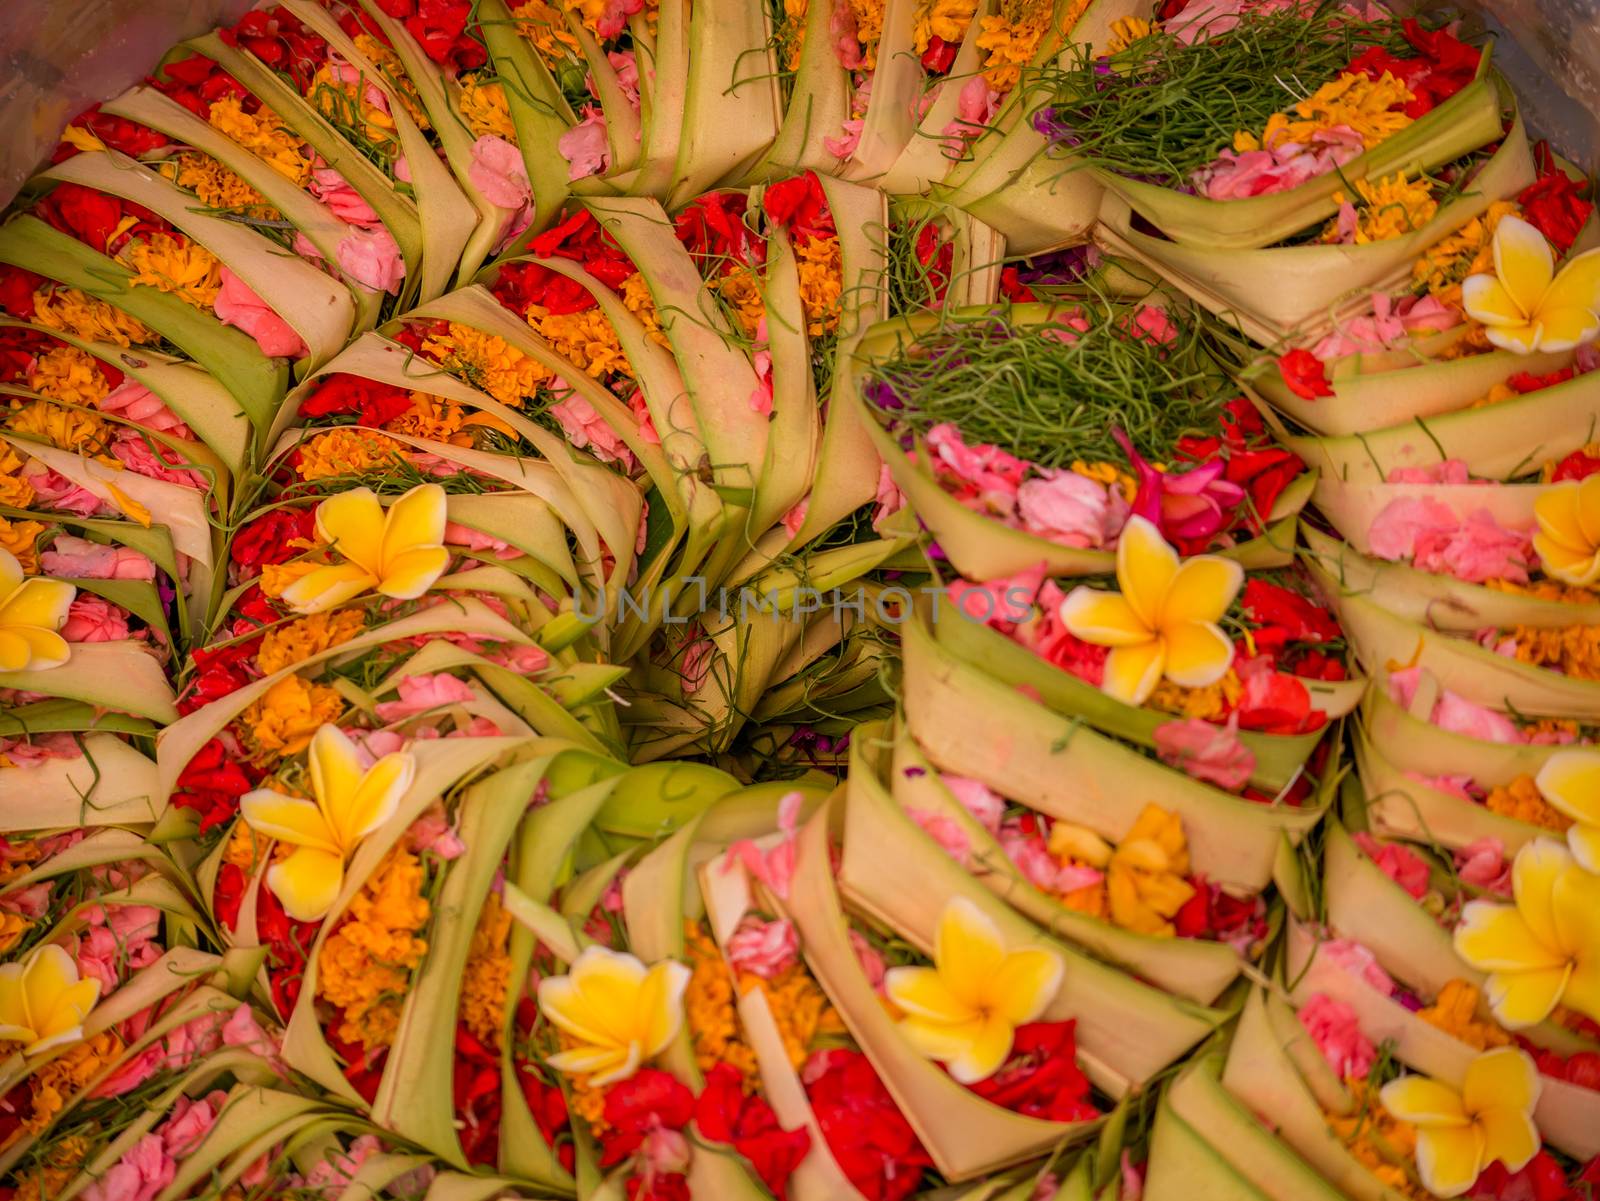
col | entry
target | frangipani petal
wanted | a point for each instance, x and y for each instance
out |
(1198, 654)
(1202, 590)
(586, 1059)
(1146, 567)
(353, 522)
(1576, 285)
(414, 522)
(1132, 672)
(1584, 843)
(1026, 984)
(1424, 1102)
(662, 1001)
(46, 979)
(376, 796)
(940, 1041)
(1449, 1159)
(1518, 339)
(1525, 998)
(1504, 1077)
(922, 992)
(618, 1012)
(1523, 262)
(968, 947)
(1486, 300)
(293, 820)
(41, 603)
(71, 1007)
(11, 573)
(33, 649)
(1556, 511)
(1534, 872)
(1570, 781)
(1566, 328)
(983, 1052)
(1494, 937)
(1102, 618)
(325, 587)
(1573, 567)
(407, 576)
(336, 772)
(1509, 1136)
(307, 883)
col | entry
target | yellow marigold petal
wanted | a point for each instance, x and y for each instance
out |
(1132, 672)
(1146, 567)
(1202, 590)
(1103, 618)
(353, 522)
(1198, 654)
(307, 883)
(1570, 780)
(1449, 1159)
(289, 819)
(1424, 1102)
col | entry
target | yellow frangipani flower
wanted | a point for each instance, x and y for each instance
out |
(1526, 305)
(399, 554)
(31, 611)
(1163, 622)
(351, 802)
(1544, 950)
(43, 1002)
(1489, 1119)
(618, 1013)
(1570, 782)
(964, 1010)
(1568, 538)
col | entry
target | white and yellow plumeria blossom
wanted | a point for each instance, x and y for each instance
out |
(399, 553)
(43, 1002)
(1568, 537)
(31, 611)
(1570, 782)
(1544, 950)
(964, 1010)
(1163, 622)
(1526, 305)
(1460, 1132)
(351, 802)
(618, 1013)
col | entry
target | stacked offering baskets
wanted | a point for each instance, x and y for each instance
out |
(638, 600)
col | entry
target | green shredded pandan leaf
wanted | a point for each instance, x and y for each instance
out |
(1050, 393)
(1169, 107)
